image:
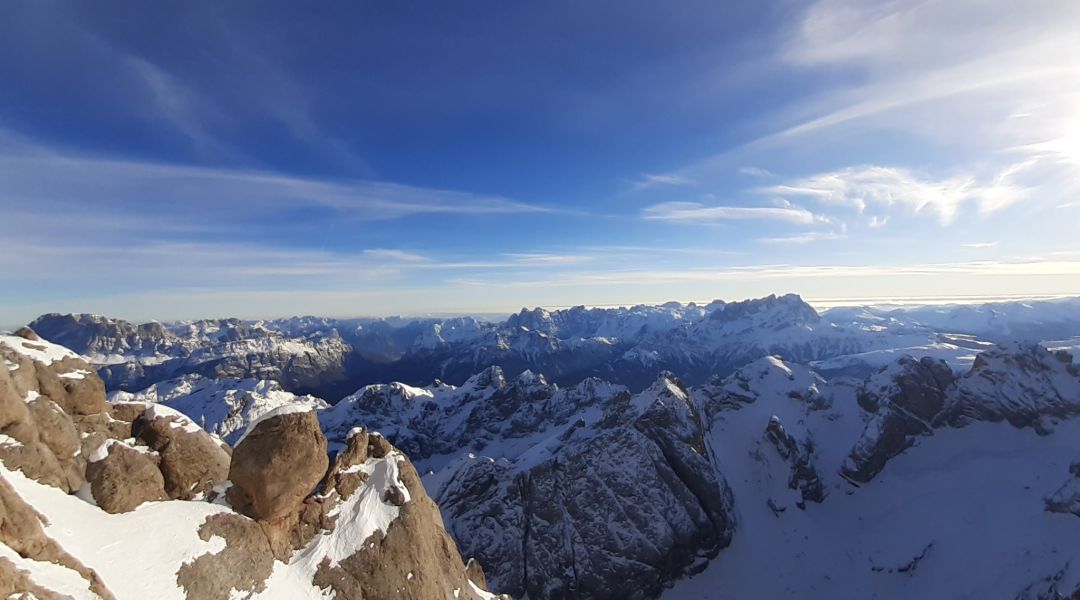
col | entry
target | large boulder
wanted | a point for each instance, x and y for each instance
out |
(122, 477)
(277, 464)
(192, 461)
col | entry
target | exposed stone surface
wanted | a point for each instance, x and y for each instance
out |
(475, 573)
(907, 397)
(40, 439)
(414, 559)
(21, 530)
(244, 564)
(192, 461)
(277, 465)
(124, 478)
(800, 455)
(1023, 384)
(1067, 498)
(608, 510)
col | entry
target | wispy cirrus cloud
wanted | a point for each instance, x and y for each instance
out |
(43, 181)
(696, 212)
(755, 172)
(894, 187)
(649, 180)
(804, 238)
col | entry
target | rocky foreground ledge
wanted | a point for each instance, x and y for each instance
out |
(134, 500)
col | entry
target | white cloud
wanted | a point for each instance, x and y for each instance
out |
(894, 187)
(804, 238)
(755, 172)
(650, 180)
(979, 245)
(536, 259)
(394, 255)
(40, 181)
(694, 212)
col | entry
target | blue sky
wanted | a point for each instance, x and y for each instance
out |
(255, 159)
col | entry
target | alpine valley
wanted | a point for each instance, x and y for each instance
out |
(751, 449)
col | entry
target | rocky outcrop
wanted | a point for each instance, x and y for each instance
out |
(607, 509)
(192, 462)
(1024, 384)
(800, 455)
(277, 464)
(21, 531)
(123, 477)
(243, 565)
(488, 408)
(412, 557)
(1067, 498)
(366, 530)
(905, 398)
(48, 398)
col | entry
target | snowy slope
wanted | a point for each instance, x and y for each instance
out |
(971, 500)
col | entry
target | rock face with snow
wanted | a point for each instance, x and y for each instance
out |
(122, 477)
(1066, 499)
(1023, 384)
(48, 398)
(364, 530)
(192, 462)
(595, 494)
(905, 399)
(331, 358)
(224, 407)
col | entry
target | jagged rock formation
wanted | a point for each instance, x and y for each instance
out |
(1067, 498)
(488, 408)
(800, 455)
(905, 400)
(334, 357)
(1023, 384)
(607, 496)
(365, 529)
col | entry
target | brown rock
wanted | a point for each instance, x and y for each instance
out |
(244, 564)
(277, 465)
(15, 584)
(27, 334)
(105, 424)
(192, 462)
(475, 573)
(355, 453)
(128, 411)
(27, 450)
(124, 478)
(55, 428)
(21, 530)
(414, 560)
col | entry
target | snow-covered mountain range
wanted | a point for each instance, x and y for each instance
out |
(729, 450)
(331, 358)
